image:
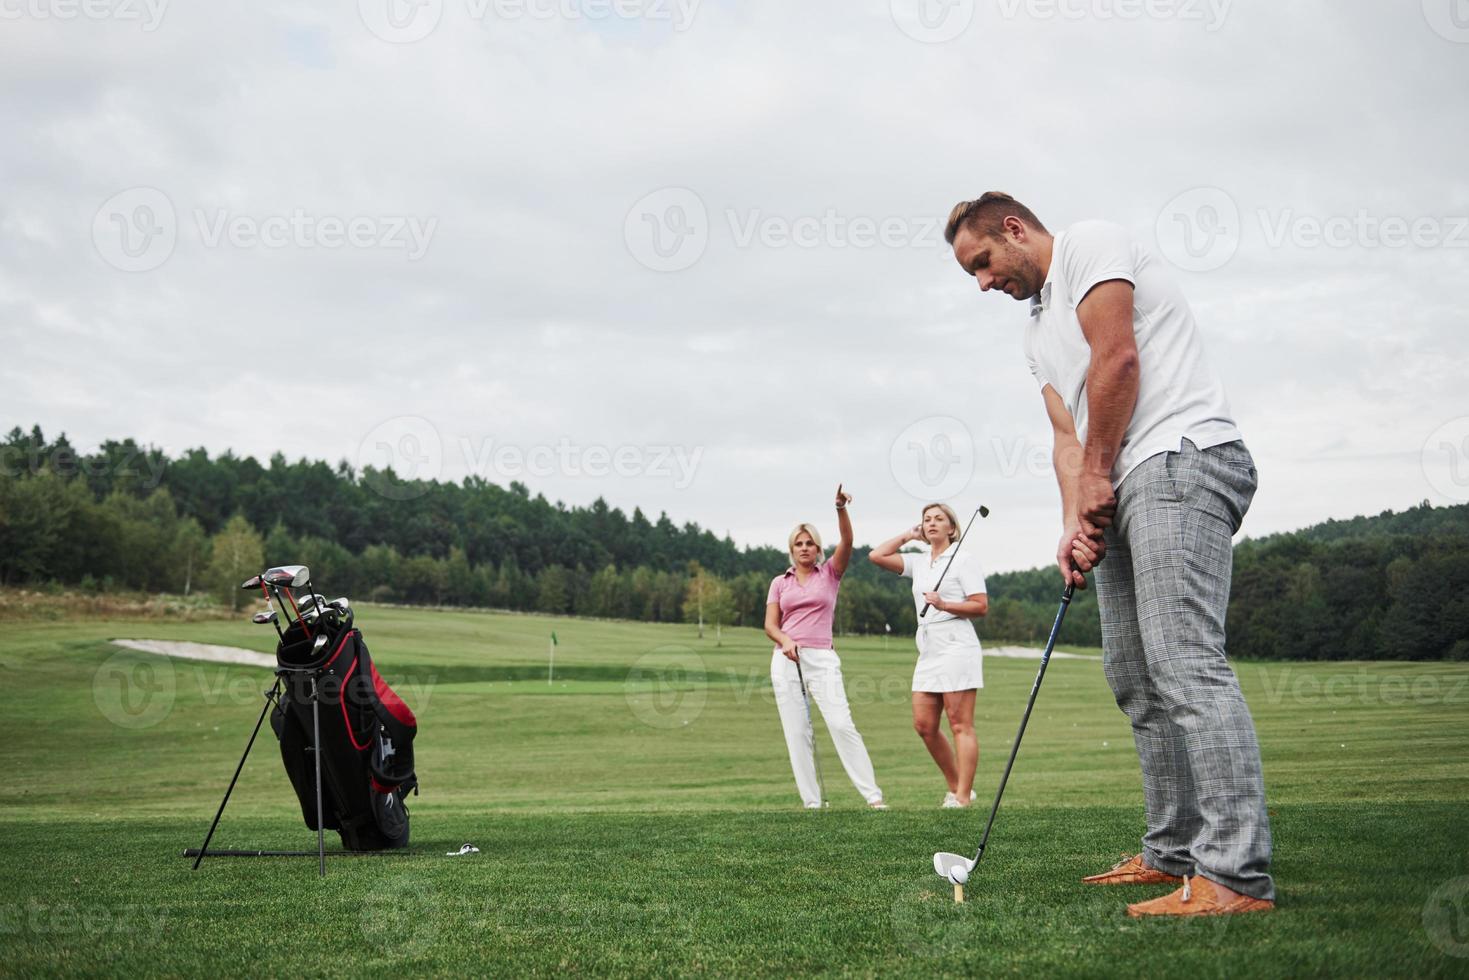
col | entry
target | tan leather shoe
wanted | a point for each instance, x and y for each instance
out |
(1200, 896)
(1132, 871)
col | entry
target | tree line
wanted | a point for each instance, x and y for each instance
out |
(129, 517)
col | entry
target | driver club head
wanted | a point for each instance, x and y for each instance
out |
(288, 576)
(262, 618)
(253, 582)
(945, 864)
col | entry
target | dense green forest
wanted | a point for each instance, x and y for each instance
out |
(129, 517)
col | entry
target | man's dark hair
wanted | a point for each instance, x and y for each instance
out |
(985, 216)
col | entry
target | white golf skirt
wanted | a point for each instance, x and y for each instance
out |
(949, 658)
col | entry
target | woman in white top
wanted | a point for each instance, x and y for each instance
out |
(949, 668)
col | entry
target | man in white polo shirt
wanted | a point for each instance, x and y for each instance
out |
(1155, 479)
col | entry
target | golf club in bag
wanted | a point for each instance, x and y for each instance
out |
(346, 737)
(956, 867)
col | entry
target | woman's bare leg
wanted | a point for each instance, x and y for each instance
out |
(927, 714)
(959, 706)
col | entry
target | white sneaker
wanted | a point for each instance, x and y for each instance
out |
(950, 802)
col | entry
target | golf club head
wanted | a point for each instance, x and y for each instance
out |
(341, 603)
(264, 618)
(288, 576)
(944, 863)
(253, 582)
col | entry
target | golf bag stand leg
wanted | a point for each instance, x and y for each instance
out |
(270, 698)
(316, 751)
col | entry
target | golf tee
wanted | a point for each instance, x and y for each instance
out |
(958, 893)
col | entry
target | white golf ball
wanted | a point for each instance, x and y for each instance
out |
(958, 874)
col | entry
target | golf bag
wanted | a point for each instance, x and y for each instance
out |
(366, 745)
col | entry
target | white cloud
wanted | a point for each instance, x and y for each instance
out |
(528, 321)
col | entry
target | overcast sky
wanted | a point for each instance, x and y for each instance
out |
(688, 255)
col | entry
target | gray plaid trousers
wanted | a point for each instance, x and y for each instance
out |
(1163, 589)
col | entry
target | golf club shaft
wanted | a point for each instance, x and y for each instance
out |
(811, 726)
(979, 511)
(1029, 706)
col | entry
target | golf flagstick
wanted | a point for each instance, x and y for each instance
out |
(980, 511)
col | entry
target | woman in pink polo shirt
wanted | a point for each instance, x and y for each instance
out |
(798, 619)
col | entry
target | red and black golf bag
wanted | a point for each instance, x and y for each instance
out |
(365, 742)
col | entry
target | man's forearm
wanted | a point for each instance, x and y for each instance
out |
(1066, 460)
(1111, 396)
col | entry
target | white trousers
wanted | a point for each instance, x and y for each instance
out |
(823, 673)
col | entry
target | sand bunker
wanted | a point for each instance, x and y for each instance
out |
(200, 651)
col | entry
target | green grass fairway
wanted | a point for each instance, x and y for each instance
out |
(637, 816)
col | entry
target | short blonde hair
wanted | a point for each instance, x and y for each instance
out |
(948, 512)
(815, 537)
